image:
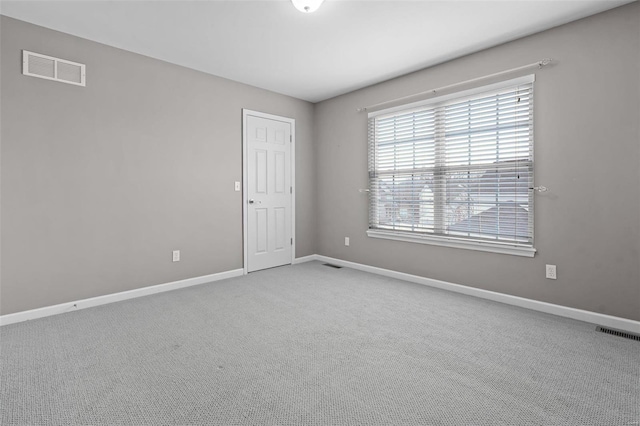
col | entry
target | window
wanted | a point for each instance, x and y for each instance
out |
(456, 170)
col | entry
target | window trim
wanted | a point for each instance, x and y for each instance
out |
(437, 240)
(452, 241)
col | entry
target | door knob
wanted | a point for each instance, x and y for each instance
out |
(251, 201)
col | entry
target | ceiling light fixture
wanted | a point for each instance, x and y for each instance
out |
(307, 6)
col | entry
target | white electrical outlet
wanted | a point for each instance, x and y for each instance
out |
(237, 186)
(176, 255)
(551, 272)
(346, 241)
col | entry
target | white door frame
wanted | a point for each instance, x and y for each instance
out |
(245, 189)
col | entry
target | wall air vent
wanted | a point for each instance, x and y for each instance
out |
(50, 68)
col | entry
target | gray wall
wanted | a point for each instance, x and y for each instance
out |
(100, 184)
(587, 147)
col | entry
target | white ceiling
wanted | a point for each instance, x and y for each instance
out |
(344, 46)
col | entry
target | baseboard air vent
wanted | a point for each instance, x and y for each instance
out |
(50, 68)
(332, 266)
(619, 333)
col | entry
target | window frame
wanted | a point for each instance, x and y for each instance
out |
(502, 247)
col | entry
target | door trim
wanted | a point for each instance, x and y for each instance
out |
(245, 224)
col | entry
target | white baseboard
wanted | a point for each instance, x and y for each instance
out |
(562, 311)
(304, 259)
(115, 297)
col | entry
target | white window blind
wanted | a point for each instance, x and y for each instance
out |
(459, 169)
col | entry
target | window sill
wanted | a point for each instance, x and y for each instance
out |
(454, 243)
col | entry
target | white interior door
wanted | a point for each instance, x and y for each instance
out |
(268, 191)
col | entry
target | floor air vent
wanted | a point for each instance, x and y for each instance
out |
(332, 266)
(619, 333)
(50, 68)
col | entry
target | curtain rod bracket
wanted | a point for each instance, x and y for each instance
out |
(544, 62)
(540, 188)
